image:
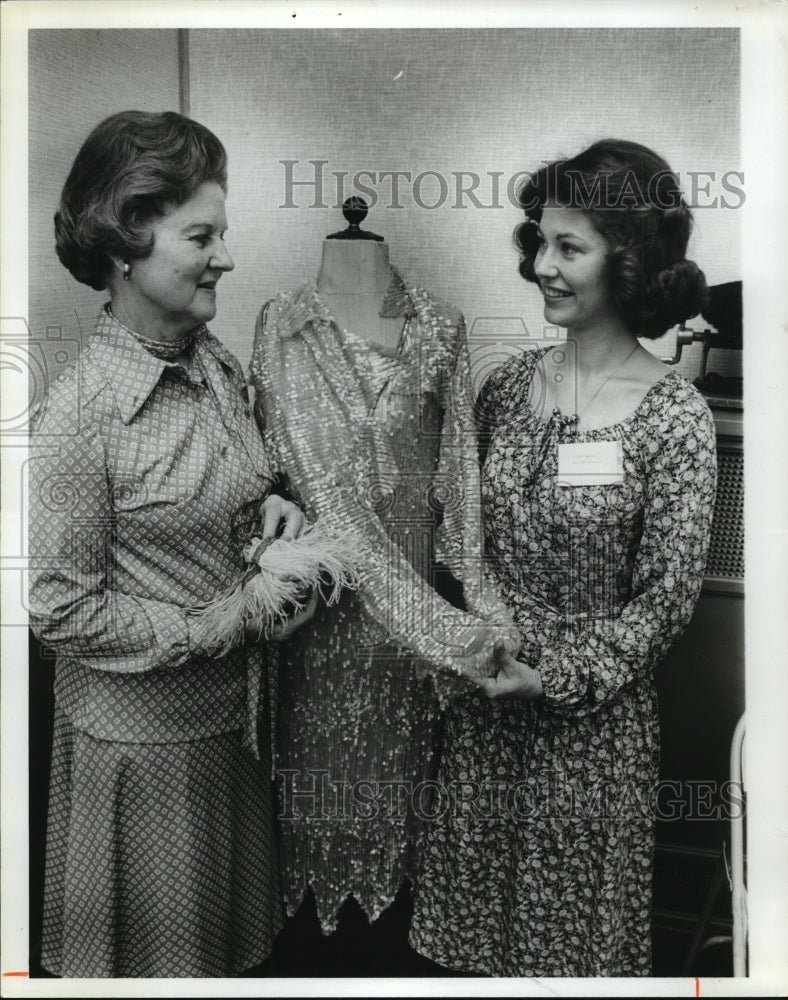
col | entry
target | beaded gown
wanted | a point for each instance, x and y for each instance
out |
(382, 442)
(541, 862)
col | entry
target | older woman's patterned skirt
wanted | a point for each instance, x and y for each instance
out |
(160, 858)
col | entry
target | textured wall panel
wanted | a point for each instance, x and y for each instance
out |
(77, 78)
(450, 100)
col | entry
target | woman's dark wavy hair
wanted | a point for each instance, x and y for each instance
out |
(634, 201)
(129, 169)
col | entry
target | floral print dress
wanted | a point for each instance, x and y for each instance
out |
(538, 858)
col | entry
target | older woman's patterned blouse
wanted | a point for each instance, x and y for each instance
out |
(139, 470)
(540, 862)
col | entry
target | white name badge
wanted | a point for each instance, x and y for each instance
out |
(591, 463)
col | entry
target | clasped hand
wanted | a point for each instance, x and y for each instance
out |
(285, 629)
(514, 679)
(276, 513)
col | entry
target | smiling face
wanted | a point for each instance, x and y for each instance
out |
(173, 289)
(571, 267)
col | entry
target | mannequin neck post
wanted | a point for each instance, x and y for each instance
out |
(353, 280)
(354, 267)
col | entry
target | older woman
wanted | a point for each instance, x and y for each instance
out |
(146, 466)
(598, 490)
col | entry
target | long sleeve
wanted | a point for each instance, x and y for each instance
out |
(589, 669)
(460, 536)
(73, 605)
(142, 474)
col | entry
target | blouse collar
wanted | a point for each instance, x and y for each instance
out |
(132, 372)
(308, 305)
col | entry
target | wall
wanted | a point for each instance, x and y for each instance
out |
(77, 78)
(482, 102)
(452, 100)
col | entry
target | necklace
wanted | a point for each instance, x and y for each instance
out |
(167, 350)
(602, 384)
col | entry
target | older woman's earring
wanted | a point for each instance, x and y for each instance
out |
(126, 270)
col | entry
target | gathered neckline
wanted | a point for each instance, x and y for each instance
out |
(546, 421)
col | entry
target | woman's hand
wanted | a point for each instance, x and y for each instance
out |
(515, 679)
(274, 510)
(283, 631)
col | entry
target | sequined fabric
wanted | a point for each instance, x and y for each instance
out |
(383, 442)
(540, 863)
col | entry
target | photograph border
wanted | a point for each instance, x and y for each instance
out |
(764, 256)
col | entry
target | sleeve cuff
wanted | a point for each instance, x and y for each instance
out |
(562, 683)
(171, 633)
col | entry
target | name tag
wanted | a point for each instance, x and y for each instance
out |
(593, 463)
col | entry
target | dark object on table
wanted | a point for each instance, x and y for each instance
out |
(724, 312)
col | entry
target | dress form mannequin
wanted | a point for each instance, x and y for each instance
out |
(351, 420)
(355, 274)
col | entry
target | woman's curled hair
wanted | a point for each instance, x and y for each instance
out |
(130, 167)
(634, 201)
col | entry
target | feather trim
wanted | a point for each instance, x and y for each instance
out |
(277, 584)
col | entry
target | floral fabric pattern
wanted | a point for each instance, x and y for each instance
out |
(538, 861)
